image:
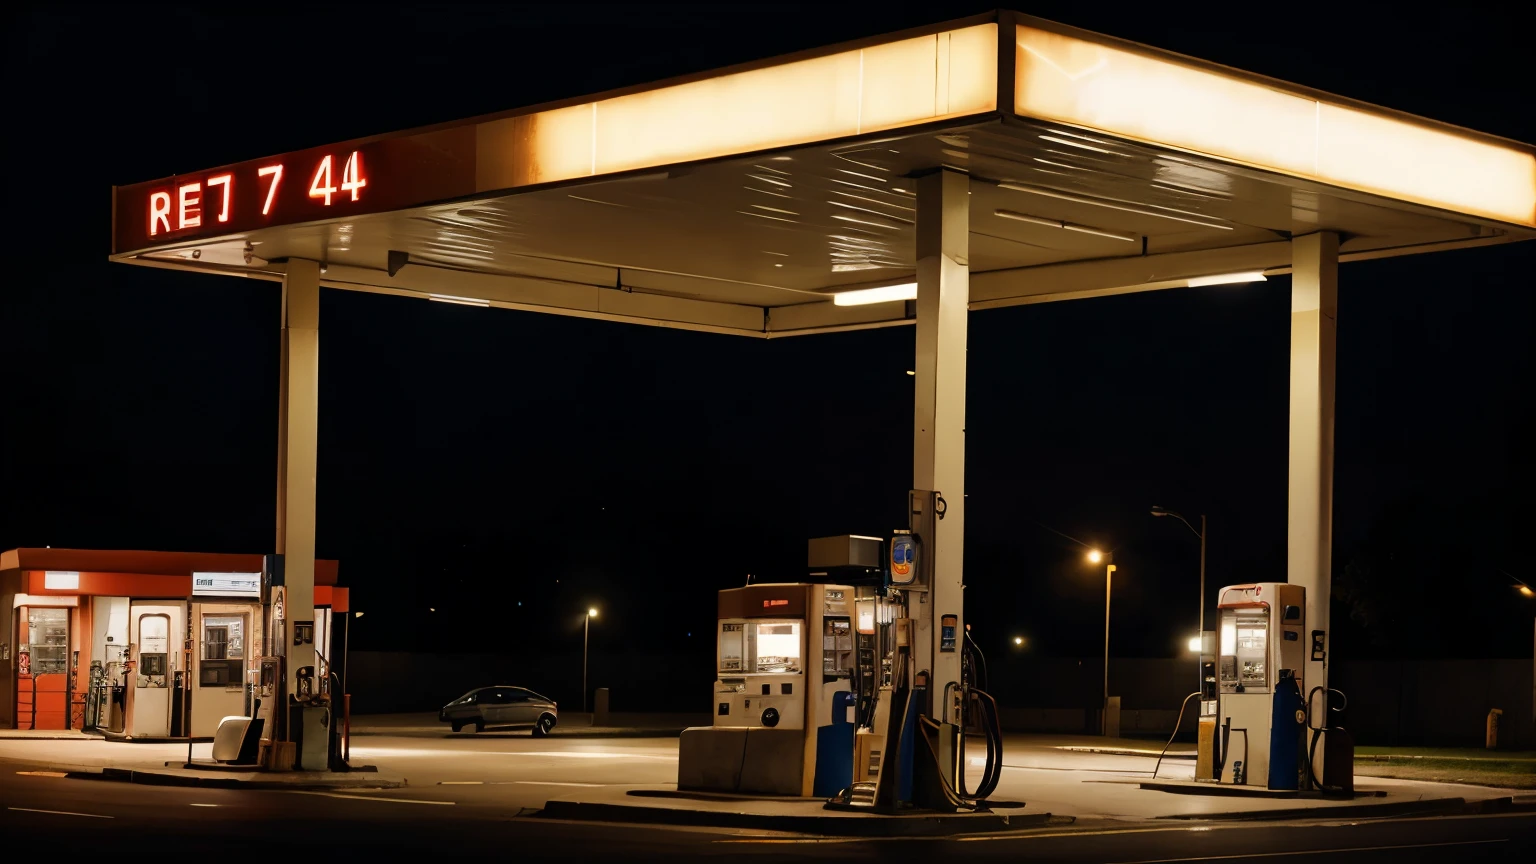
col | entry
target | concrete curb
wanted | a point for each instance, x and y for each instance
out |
(872, 825)
(171, 778)
(1425, 807)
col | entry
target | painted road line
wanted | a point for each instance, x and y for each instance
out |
(42, 774)
(203, 805)
(551, 783)
(60, 813)
(577, 754)
(376, 798)
(461, 782)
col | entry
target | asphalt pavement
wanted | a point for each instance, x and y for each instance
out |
(483, 794)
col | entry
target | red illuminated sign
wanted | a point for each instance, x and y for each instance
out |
(188, 205)
(341, 180)
(771, 603)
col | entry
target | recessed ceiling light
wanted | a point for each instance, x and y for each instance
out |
(887, 294)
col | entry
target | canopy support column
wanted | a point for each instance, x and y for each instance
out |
(297, 455)
(938, 464)
(1309, 534)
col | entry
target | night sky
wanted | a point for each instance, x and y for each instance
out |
(472, 460)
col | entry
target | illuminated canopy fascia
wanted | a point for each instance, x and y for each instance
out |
(1100, 84)
(949, 74)
(877, 87)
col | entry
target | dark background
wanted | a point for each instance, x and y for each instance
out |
(507, 469)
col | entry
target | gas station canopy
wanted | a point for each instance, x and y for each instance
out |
(743, 200)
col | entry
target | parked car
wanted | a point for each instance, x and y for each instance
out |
(508, 707)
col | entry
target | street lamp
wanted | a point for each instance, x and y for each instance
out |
(1097, 557)
(1163, 511)
(586, 629)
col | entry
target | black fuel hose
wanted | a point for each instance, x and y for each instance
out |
(1317, 734)
(1178, 721)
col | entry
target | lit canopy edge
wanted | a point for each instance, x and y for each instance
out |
(1164, 102)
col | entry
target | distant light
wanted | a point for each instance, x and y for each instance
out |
(431, 609)
(357, 614)
(1194, 644)
(592, 613)
(1018, 640)
(1526, 590)
(911, 371)
(1227, 279)
(865, 296)
(1095, 556)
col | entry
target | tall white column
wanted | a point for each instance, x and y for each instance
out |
(938, 462)
(1309, 534)
(297, 448)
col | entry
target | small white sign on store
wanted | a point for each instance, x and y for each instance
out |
(226, 584)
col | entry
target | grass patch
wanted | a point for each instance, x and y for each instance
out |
(1466, 753)
(1512, 774)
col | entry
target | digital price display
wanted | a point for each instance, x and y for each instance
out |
(311, 185)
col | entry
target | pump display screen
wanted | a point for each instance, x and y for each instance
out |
(1245, 650)
(732, 645)
(777, 646)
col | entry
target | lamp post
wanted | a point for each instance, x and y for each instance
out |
(1163, 511)
(1096, 557)
(586, 630)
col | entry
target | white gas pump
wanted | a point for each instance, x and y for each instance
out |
(783, 696)
(826, 688)
(1261, 661)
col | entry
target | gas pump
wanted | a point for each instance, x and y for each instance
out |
(871, 731)
(785, 661)
(1260, 668)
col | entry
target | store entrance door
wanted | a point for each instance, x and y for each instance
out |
(42, 667)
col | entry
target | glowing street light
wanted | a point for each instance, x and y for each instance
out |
(1097, 557)
(1195, 644)
(1525, 591)
(586, 629)
(1200, 682)
(1018, 640)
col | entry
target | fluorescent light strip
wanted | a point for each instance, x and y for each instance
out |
(461, 301)
(1099, 202)
(866, 296)
(1068, 226)
(1227, 279)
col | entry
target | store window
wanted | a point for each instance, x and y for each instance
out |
(223, 637)
(48, 638)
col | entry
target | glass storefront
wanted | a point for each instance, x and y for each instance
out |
(48, 640)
